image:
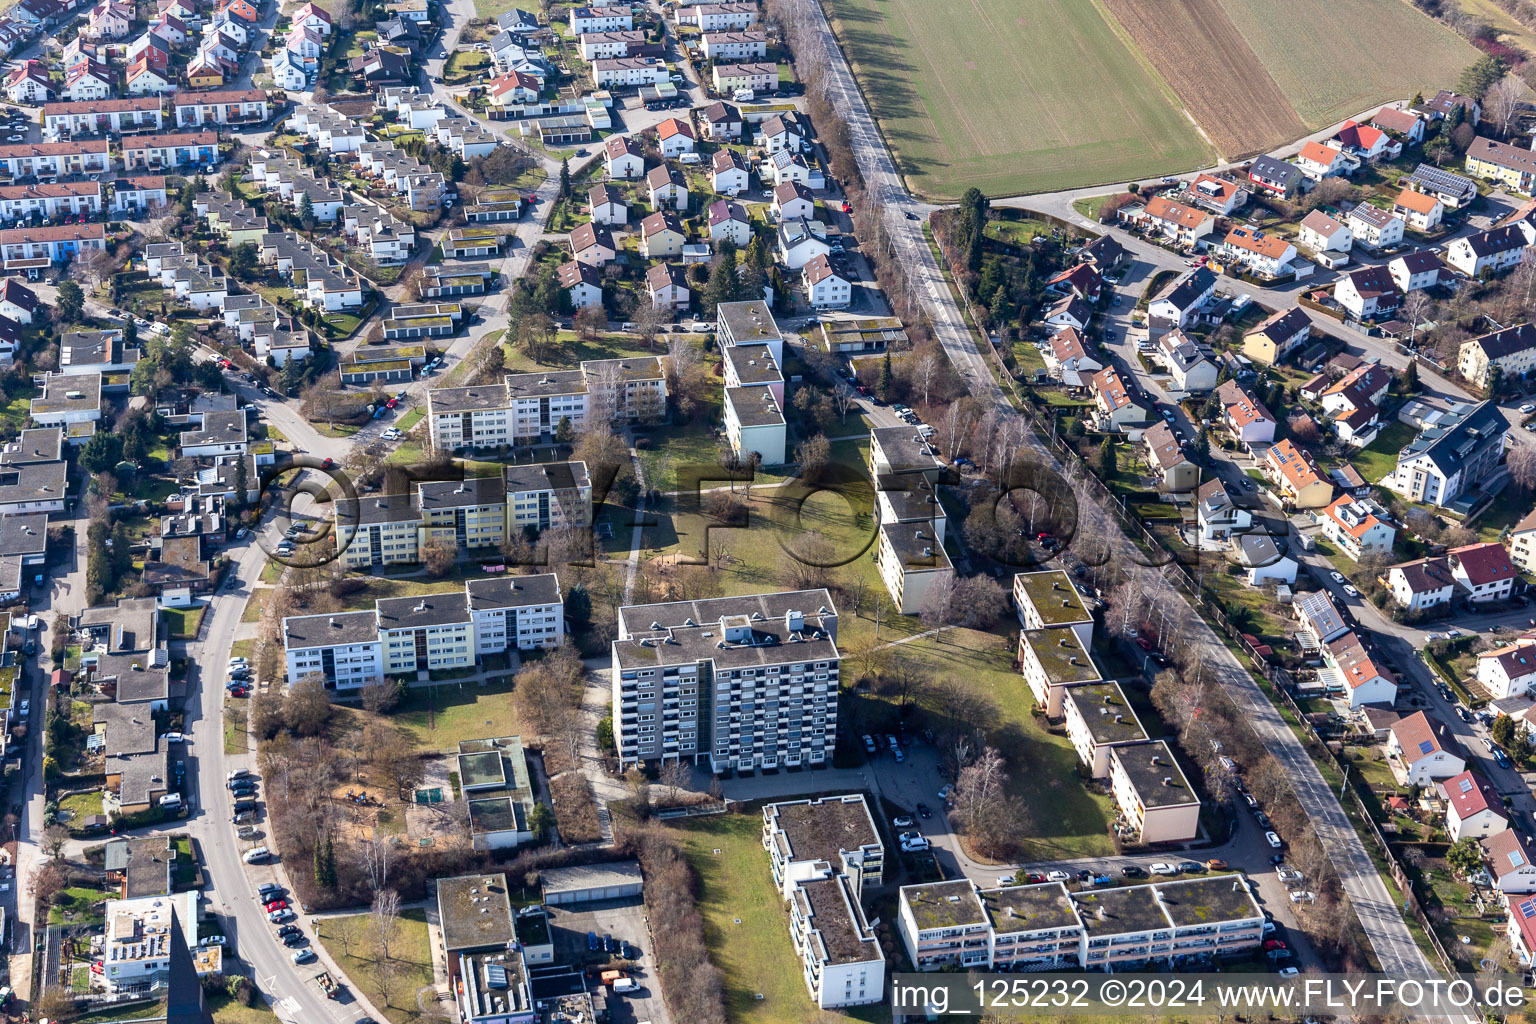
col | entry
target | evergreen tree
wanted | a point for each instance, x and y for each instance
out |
(564, 432)
(122, 558)
(319, 859)
(1075, 428)
(887, 379)
(723, 285)
(1410, 382)
(102, 452)
(135, 447)
(1106, 460)
(306, 211)
(565, 178)
(1202, 445)
(70, 303)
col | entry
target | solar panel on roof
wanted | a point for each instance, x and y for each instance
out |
(1515, 858)
(1466, 785)
(1425, 746)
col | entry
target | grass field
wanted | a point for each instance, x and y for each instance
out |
(1333, 60)
(438, 717)
(982, 94)
(757, 962)
(411, 953)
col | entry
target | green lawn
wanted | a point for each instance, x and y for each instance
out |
(82, 804)
(438, 717)
(1379, 458)
(937, 81)
(225, 1010)
(755, 957)
(184, 622)
(411, 953)
(150, 1010)
(569, 351)
(78, 906)
(491, 8)
(668, 449)
(235, 737)
(410, 419)
(1508, 507)
(255, 605)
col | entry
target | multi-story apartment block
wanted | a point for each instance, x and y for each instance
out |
(1048, 599)
(739, 683)
(1512, 350)
(1451, 456)
(1034, 927)
(141, 935)
(911, 560)
(808, 839)
(1098, 718)
(822, 853)
(1522, 542)
(405, 636)
(530, 407)
(1153, 796)
(1052, 660)
(102, 117)
(40, 159)
(749, 323)
(754, 424)
(477, 512)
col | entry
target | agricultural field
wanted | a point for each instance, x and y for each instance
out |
(1199, 52)
(1332, 60)
(983, 95)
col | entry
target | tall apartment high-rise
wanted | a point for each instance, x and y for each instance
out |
(739, 683)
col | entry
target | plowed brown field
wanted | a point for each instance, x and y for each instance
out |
(1213, 71)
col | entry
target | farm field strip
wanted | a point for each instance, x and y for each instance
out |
(1216, 75)
(1334, 59)
(980, 94)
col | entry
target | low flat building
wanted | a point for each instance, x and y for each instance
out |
(1153, 796)
(1098, 717)
(1051, 660)
(1048, 599)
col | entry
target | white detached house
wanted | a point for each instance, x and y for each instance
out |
(1415, 754)
(1472, 809)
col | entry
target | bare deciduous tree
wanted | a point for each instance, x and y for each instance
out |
(385, 916)
(1504, 101)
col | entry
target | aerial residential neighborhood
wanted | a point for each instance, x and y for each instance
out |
(694, 512)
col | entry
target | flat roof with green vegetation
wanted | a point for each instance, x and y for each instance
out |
(1053, 596)
(1061, 655)
(1215, 898)
(1106, 713)
(482, 769)
(1029, 908)
(943, 904)
(1155, 775)
(1113, 911)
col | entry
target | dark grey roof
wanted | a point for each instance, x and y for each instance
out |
(1438, 180)
(748, 321)
(1487, 243)
(1188, 288)
(547, 476)
(23, 535)
(1457, 436)
(138, 676)
(1419, 262)
(330, 630)
(1154, 774)
(1495, 344)
(475, 912)
(473, 491)
(1274, 169)
(36, 444)
(422, 611)
(143, 778)
(382, 508)
(537, 385)
(905, 449)
(128, 728)
(638, 618)
(513, 591)
(754, 406)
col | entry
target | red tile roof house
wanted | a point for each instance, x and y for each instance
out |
(1174, 222)
(1415, 755)
(1484, 570)
(1082, 280)
(1509, 671)
(1367, 143)
(1472, 808)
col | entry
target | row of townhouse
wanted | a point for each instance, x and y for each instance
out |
(175, 152)
(137, 114)
(267, 330)
(959, 925)
(323, 281)
(531, 407)
(472, 514)
(423, 188)
(737, 683)
(403, 637)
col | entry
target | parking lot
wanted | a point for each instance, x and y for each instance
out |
(624, 920)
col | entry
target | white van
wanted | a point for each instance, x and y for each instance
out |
(257, 855)
(690, 158)
(171, 800)
(743, 95)
(626, 985)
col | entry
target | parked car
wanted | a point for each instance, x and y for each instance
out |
(902, 821)
(1273, 839)
(1190, 867)
(1133, 871)
(1164, 868)
(915, 845)
(1057, 876)
(1303, 896)
(923, 811)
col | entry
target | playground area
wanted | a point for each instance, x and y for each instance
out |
(432, 815)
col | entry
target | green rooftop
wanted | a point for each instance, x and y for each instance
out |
(1053, 597)
(1061, 655)
(484, 769)
(1154, 774)
(1106, 713)
(943, 904)
(1210, 900)
(1029, 908)
(1116, 911)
